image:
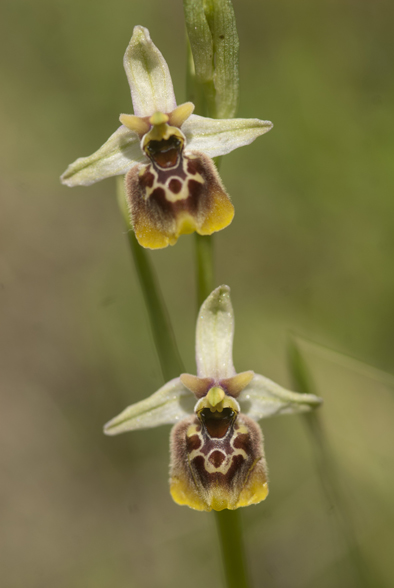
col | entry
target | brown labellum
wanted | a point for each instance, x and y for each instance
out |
(218, 461)
(176, 193)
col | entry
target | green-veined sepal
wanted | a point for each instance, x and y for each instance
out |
(217, 137)
(148, 75)
(121, 152)
(172, 403)
(214, 336)
(263, 398)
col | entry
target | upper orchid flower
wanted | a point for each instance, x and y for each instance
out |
(217, 454)
(172, 185)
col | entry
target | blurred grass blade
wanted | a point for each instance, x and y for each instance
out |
(170, 360)
(347, 361)
(327, 471)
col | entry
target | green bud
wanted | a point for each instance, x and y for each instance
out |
(213, 68)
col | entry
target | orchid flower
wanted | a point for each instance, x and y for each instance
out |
(217, 453)
(172, 184)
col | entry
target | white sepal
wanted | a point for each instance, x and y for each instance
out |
(216, 137)
(167, 406)
(148, 75)
(114, 158)
(214, 336)
(263, 398)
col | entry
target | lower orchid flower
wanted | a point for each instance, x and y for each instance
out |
(217, 453)
(172, 184)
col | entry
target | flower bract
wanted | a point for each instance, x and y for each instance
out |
(217, 453)
(165, 151)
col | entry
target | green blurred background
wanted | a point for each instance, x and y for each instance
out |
(310, 251)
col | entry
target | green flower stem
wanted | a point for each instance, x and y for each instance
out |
(228, 522)
(327, 471)
(201, 92)
(212, 85)
(163, 335)
(229, 527)
(204, 267)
